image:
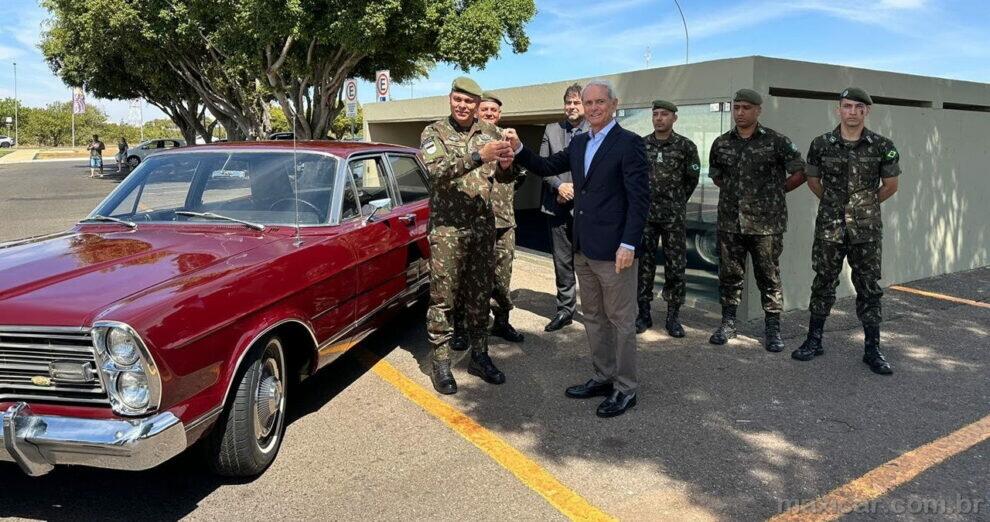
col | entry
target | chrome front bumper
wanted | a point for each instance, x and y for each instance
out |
(39, 442)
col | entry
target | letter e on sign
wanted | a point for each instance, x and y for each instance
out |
(383, 83)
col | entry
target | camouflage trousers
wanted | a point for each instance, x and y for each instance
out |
(765, 251)
(673, 238)
(461, 273)
(864, 261)
(505, 245)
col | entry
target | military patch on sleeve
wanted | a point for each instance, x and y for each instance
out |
(793, 146)
(431, 148)
(695, 167)
(891, 154)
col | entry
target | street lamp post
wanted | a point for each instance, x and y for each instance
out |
(687, 41)
(17, 137)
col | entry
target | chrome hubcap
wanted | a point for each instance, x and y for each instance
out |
(269, 402)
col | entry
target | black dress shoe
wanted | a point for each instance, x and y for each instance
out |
(559, 321)
(616, 404)
(592, 388)
(443, 379)
(481, 365)
(878, 363)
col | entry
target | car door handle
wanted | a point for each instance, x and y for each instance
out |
(408, 219)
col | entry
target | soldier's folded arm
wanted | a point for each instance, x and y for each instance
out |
(793, 164)
(692, 171)
(811, 169)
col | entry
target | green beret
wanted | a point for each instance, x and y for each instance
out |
(490, 96)
(665, 105)
(466, 85)
(749, 96)
(856, 94)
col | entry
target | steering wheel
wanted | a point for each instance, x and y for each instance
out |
(303, 201)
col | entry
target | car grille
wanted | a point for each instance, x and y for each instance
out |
(26, 354)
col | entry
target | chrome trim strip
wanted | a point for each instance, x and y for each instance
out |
(240, 358)
(343, 334)
(204, 418)
(39, 442)
(43, 329)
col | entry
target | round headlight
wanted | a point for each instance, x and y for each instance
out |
(122, 347)
(132, 388)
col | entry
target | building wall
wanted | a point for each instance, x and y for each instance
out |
(935, 224)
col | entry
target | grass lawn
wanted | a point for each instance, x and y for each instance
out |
(4, 152)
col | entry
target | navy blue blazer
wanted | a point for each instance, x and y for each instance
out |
(612, 199)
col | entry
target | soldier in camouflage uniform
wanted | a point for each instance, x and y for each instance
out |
(675, 169)
(754, 167)
(852, 170)
(464, 157)
(503, 198)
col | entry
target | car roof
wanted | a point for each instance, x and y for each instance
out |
(337, 148)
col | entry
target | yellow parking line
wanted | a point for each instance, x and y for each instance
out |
(526, 470)
(884, 479)
(943, 297)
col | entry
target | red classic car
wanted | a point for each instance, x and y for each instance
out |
(190, 301)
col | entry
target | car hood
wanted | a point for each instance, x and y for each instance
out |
(68, 279)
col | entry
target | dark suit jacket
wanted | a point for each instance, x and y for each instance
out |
(555, 139)
(612, 199)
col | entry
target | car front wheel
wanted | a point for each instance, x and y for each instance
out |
(133, 161)
(706, 245)
(4, 145)
(248, 436)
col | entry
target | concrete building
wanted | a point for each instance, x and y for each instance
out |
(937, 223)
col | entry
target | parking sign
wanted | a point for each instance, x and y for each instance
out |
(383, 82)
(350, 97)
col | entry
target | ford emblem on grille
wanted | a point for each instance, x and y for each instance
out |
(65, 371)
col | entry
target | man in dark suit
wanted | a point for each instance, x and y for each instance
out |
(611, 201)
(558, 204)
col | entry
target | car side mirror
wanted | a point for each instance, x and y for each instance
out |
(371, 216)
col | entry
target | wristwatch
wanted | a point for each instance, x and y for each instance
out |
(476, 158)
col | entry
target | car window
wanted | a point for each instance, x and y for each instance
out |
(371, 181)
(263, 187)
(409, 178)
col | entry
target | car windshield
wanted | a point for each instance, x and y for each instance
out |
(265, 187)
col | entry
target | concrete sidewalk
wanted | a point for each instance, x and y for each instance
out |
(19, 156)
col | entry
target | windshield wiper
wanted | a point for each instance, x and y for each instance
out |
(98, 217)
(211, 215)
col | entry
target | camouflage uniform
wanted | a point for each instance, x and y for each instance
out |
(752, 210)
(503, 199)
(674, 173)
(461, 231)
(849, 222)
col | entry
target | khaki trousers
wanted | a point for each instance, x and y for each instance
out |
(608, 305)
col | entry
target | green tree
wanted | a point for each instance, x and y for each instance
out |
(91, 44)
(240, 56)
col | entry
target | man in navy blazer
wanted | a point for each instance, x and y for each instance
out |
(611, 202)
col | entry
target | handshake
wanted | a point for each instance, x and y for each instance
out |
(503, 151)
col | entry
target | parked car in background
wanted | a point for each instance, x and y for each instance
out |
(6, 142)
(191, 301)
(281, 136)
(137, 153)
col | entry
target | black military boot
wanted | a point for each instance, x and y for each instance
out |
(812, 346)
(481, 364)
(644, 320)
(673, 324)
(773, 342)
(726, 330)
(502, 328)
(443, 379)
(459, 341)
(872, 356)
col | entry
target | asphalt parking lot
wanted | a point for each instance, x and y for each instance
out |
(720, 433)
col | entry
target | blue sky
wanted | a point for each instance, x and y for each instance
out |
(575, 38)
